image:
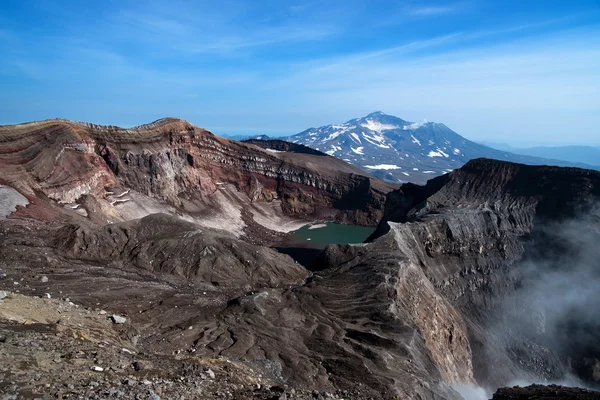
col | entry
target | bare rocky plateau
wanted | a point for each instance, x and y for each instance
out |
(120, 282)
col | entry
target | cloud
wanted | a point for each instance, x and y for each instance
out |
(430, 11)
(555, 302)
(203, 29)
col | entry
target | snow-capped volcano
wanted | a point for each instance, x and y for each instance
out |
(397, 150)
(390, 147)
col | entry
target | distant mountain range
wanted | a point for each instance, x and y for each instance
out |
(400, 151)
(575, 154)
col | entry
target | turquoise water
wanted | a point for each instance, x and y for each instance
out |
(332, 234)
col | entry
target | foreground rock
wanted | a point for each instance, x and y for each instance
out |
(51, 349)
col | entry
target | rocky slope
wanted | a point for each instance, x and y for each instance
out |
(200, 293)
(54, 348)
(483, 276)
(402, 151)
(510, 248)
(110, 174)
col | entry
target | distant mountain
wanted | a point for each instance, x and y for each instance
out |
(574, 154)
(498, 146)
(397, 150)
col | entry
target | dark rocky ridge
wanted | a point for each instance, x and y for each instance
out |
(182, 250)
(282, 145)
(557, 193)
(540, 392)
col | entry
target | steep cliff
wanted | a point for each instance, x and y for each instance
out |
(511, 248)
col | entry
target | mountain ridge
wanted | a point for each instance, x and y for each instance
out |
(569, 153)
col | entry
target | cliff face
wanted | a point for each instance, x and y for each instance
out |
(510, 247)
(175, 167)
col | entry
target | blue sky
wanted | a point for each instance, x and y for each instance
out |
(513, 71)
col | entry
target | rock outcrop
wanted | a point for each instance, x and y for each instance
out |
(540, 392)
(165, 245)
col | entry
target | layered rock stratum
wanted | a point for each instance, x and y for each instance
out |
(111, 174)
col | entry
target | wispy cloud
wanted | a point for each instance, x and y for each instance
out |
(215, 33)
(271, 36)
(429, 11)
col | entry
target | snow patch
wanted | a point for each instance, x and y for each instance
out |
(274, 151)
(415, 140)
(383, 166)
(334, 148)
(456, 151)
(438, 153)
(9, 200)
(332, 136)
(356, 137)
(358, 150)
(376, 140)
(343, 128)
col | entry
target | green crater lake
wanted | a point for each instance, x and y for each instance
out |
(320, 235)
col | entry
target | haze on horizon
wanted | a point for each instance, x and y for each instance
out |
(516, 72)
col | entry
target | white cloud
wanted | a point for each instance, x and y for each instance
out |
(428, 11)
(383, 166)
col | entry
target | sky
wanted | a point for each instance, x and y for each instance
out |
(517, 72)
